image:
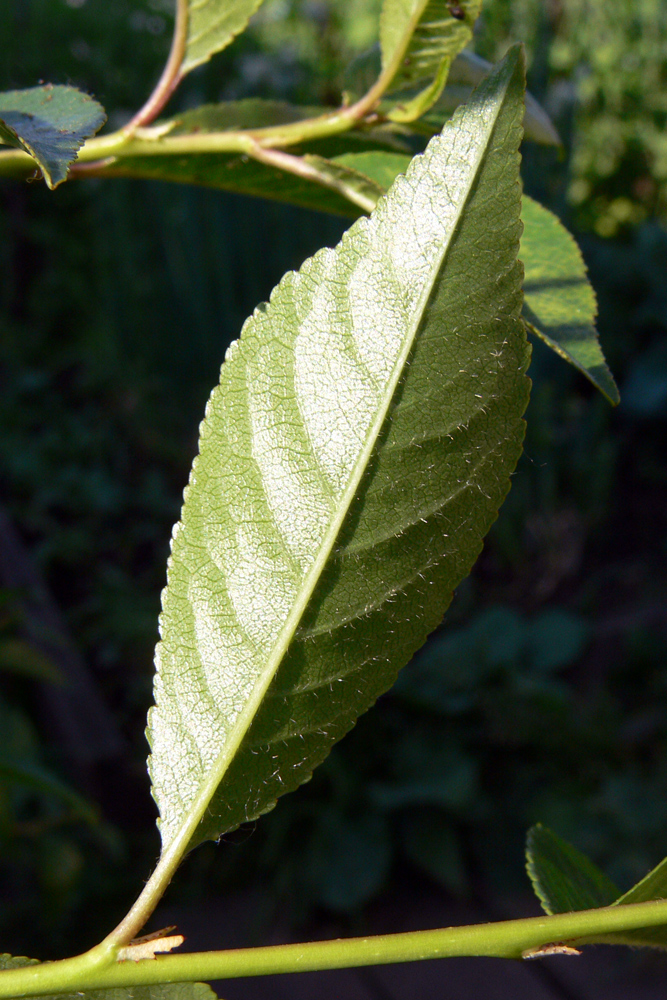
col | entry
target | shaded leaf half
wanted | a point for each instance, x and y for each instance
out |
(212, 25)
(418, 41)
(51, 123)
(351, 460)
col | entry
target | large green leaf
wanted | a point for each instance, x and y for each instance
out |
(165, 991)
(351, 460)
(51, 123)
(212, 25)
(418, 41)
(241, 175)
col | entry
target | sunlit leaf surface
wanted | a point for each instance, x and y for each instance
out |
(163, 991)
(560, 302)
(351, 461)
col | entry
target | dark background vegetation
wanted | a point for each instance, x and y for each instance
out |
(544, 696)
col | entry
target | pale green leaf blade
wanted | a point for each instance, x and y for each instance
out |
(563, 878)
(560, 305)
(418, 41)
(212, 25)
(163, 991)
(351, 461)
(51, 123)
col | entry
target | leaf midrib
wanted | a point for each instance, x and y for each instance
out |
(213, 778)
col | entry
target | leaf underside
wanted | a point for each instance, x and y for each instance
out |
(163, 991)
(351, 461)
(467, 71)
(51, 123)
(559, 302)
(212, 25)
(565, 880)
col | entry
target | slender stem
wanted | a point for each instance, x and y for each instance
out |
(98, 969)
(300, 167)
(156, 886)
(171, 74)
(136, 140)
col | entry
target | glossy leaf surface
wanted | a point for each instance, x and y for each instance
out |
(212, 25)
(51, 123)
(351, 460)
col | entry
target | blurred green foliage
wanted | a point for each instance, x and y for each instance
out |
(601, 71)
(544, 697)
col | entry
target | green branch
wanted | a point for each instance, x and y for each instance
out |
(98, 969)
(136, 140)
